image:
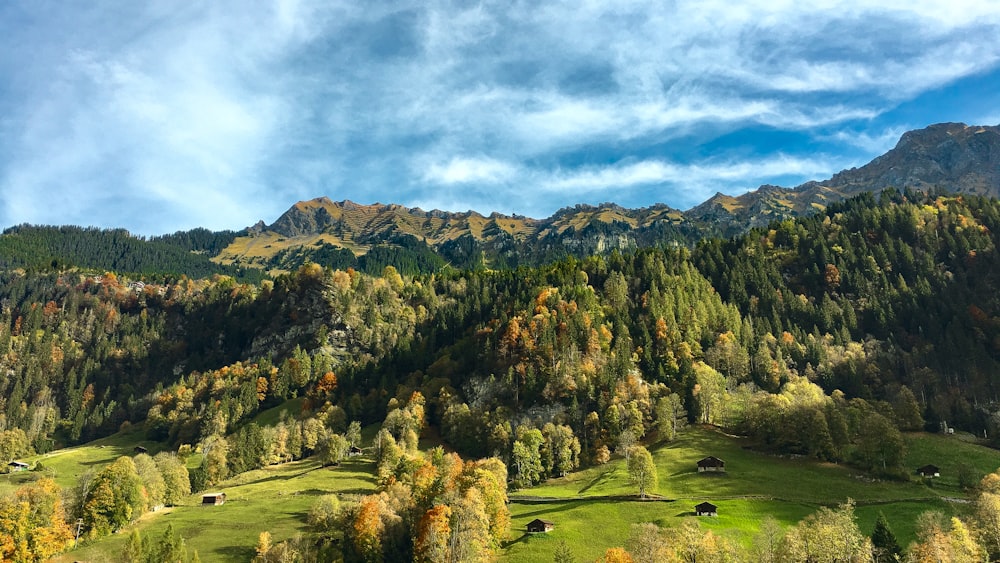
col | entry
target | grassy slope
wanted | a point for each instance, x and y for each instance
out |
(277, 498)
(755, 485)
(66, 465)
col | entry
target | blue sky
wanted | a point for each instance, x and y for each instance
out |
(159, 116)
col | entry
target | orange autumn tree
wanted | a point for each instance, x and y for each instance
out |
(367, 528)
(434, 535)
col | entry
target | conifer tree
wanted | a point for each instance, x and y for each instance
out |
(885, 547)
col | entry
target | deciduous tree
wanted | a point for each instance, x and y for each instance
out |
(642, 470)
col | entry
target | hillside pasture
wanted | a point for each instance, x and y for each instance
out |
(67, 464)
(592, 509)
(949, 452)
(274, 499)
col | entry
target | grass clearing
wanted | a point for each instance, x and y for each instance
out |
(754, 486)
(748, 473)
(276, 499)
(273, 415)
(67, 464)
(949, 452)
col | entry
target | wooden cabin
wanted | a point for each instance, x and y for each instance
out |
(538, 525)
(213, 499)
(706, 509)
(929, 471)
(140, 450)
(711, 463)
(17, 466)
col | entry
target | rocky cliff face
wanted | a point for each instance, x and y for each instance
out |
(953, 156)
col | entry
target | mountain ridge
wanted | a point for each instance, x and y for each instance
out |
(949, 156)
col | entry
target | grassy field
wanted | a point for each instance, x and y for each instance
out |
(275, 499)
(66, 465)
(755, 485)
(748, 473)
(948, 453)
(272, 416)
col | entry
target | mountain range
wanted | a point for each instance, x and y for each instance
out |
(950, 157)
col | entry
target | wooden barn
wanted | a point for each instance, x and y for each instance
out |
(213, 499)
(929, 471)
(706, 509)
(538, 525)
(711, 463)
(17, 466)
(140, 450)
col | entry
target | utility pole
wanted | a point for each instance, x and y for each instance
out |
(79, 524)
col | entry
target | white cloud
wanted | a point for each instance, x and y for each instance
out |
(723, 174)
(874, 143)
(219, 114)
(469, 170)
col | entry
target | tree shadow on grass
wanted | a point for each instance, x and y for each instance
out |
(603, 478)
(286, 477)
(562, 507)
(233, 553)
(522, 539)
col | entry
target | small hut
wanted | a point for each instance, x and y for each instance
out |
(706, 509)
(711, 463)
(538, 525)
(17, 466)
(354, 451)
(140, 450)
(213, 499)
(929, 471)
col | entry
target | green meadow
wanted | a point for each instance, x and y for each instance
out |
(593, 509)
(67, 464)
(276, 499)
(755, 485)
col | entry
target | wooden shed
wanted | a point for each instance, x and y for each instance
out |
(706, 509)
(538, 525)
(140, 450)
(17, 466)
(213, 499)
(929, 471)
(711, 463)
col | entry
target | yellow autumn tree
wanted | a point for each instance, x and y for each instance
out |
(32, 523)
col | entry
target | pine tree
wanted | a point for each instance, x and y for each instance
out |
(885, 547)
(563, 553)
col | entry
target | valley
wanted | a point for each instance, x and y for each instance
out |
(593, 509)
(378, 383)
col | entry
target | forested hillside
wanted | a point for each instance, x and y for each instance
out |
(871, 295)
(59, 248)
(823, 336)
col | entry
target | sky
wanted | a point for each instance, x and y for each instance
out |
(158, 116)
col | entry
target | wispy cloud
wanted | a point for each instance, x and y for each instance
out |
(158, 117)
(469, 170)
